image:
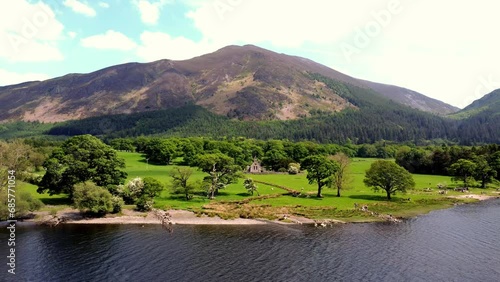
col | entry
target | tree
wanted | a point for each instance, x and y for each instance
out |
(221, 169)
(160, 151)
(80, 159)
(494, 162)
(189, 153)
(275, 159)
(319, 170)
(89, 197)
(484, 171)
(180, 182)
(152, 188)
(131, 191)
(123, 144)
(388, 176)
(341, 178)
(18, 156)
(250, 186)
(463, 170)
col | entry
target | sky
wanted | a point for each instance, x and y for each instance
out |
(447, 50)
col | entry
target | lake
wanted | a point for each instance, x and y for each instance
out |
(457, 244)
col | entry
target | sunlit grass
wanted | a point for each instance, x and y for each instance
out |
(414, 202)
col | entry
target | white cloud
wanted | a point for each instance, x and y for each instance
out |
(444, 49)
(158, 45)
(150, 10)
(80, 8)
(72, 34)
(8, 78)
(111, 40)
(282, 23)
(31, 32)
(37, 52)
(103, 5)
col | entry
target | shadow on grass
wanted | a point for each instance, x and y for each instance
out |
(369, 197)
(182, 198)
(56, 201)
(311, 197)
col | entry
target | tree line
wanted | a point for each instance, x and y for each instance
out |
(467, 164)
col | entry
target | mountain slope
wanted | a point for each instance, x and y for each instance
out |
(489, 104)
(411, 98)
(240, 82)
(480, 120)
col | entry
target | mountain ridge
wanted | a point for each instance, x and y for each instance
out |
(240, 82)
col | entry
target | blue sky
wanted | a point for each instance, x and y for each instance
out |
(443, 49)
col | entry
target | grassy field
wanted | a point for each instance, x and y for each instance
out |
(328, 207)
(235, 201)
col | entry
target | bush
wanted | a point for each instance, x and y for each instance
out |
(282, 169)
(117, 203)
(144, 204)
(33, 203)
(25, 204)
(140, 192)
(91, 198)
(293, 168)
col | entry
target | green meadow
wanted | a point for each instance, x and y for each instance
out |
(235, 201)
(330, 206)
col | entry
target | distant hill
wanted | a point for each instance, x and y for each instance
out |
(239, 82)
(489, 103)
(411, 98)
(480, 120)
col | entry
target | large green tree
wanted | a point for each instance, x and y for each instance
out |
(389, 176)
(221, 169)
(80, 159)
(319, 170)
(463, 170)
(484, 172)
(160, 151)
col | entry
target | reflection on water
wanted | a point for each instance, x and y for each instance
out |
(459, 244)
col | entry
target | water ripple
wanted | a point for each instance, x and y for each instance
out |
(459, 244)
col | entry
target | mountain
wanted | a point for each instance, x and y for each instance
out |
(488, 104)
(239, 82)
(480, 120)
(411, 98)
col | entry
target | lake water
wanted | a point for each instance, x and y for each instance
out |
(458, 244)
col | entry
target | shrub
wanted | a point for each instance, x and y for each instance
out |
(33, 203)
(144, 204)
(91, 198)
(117, 203)
(293, 168)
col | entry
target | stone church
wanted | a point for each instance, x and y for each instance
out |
(255, 167)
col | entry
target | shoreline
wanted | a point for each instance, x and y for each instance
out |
(183, 217)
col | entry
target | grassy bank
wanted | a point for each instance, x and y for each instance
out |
(274, 202)
(235, 201)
